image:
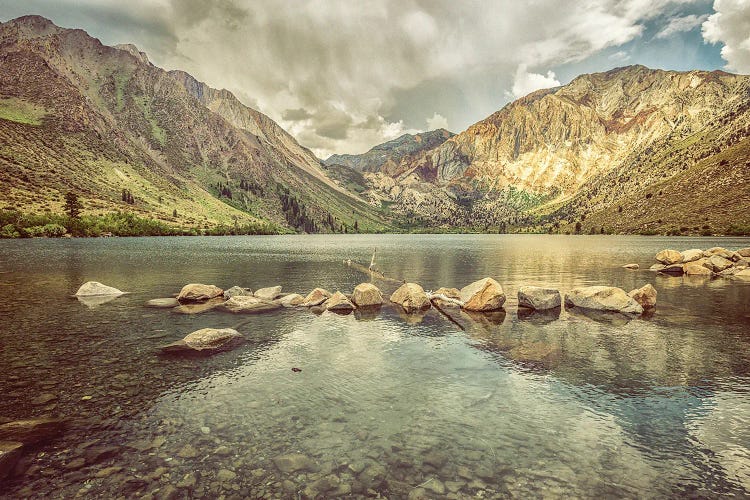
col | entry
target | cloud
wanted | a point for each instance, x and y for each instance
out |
(525, 82)
(680, 25)
(295, 115)
(620, 55)
(437, 121)
(729, 25)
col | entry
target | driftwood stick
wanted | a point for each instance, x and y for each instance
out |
(444, 298)
(372, 272)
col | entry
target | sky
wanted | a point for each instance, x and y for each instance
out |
(345, 75)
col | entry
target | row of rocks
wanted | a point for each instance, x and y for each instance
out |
(17, 436)
(716, 261)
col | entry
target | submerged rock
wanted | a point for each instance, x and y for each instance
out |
(10, 453)
(294, 462)
(316, 297)
(367, 294)
(674, 270)
(483, 295)
(198, 292)
(94, 288)
(338, 302)
(268, 293)
(534, 297)
(32, 431)
(198, 307)
(603, 298)
(645, 296)
(657, 267)
(237, 291)
(411, 297)
(165, 303)
(243, 304)
(697, 268)
(632, 267)
(291, 300)
(206, 341)
(669, 257)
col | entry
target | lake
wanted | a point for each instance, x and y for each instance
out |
(489, 406)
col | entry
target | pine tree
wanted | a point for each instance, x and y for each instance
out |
(174, 213)
(72, 205)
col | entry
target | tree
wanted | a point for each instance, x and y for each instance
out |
(578, 227)
(174, 213)
(72, 205)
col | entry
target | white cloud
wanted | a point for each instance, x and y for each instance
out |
(730, 25)
(680, 25)
(525, 82)
(437, 121)
(620, 55)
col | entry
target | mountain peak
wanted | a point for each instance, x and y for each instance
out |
(133, 50)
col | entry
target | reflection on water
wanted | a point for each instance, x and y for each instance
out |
(448, 403)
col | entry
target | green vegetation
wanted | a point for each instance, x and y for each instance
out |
(19, 111)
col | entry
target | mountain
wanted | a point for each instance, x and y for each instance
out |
(77, 115)
(612, 140)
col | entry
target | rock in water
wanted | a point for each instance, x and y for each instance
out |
(673, 269)
(367, 294)
(669, 257)
(338, 303)
(243, 304)
(697, 268)
(94, 288)
(744, 252)
(717, 263)
(743, 274)
(691, 255)
(603, 298)
(291, 300)
(294, 462)
(720, 251)
(645, 296)
(657, 267)
(198, 292)
(237, 291)
(541, 299)
(165, 303)
(411, 297)
(10, 452)
(316, 297)
(268, 293)
(32, 431)
(206, 341)
(483, 295)
(632, 267)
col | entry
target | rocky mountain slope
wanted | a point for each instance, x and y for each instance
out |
(570, 155)
(76, 115)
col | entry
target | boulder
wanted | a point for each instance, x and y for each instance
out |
(367, 294)
(720, 251)
(743, 274)
(742, 263)
(290, 300)
(316, 297)
(729, 272)
(645, 296)
(94, 288)
(451, 293)
(697, 268)
(691, 255)
(669, 257)
(237, 291)
(206, 341)
(632, 267)
(199, 307)
(411, 297)
(603, 298)
(34, 431)
(657, 267)
(10, 453)
(717, 263)
(165, 303)
(736, 257)
(744, 252)
(268, 293)
(483, 295)
(244, 304)
(198, 292)
(674, 269)
(338, 302)
(538, 298)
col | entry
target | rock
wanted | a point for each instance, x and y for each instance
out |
(691, 255)
(373, 476)
(668, 257)
(743, 274)
(436, 459)
(43, 399)
(291, 300)
(729, 272)
(742, 263)
(206, 341)
(602, 298)
(168, 492)
(631, 266)
(94, 288)
(32, 431)
(108, 471)
(338, 303)
(165, 303)
(187, 451)
(674, 270)
(411, 297)
(452, 293)
(225, 475)
(198, 307)
(483, 295)
(188, 481)
(197, 292)
(435, 486)
(324, 485)
(316, 297)
(736, 257)
(657, 267)
(10, 453)
(244, 304)
(367, 294)
(268, 293)
(720, 251)
(744, 252)
(645, 296)
(294, 462)
(717, 263)
(538, 298)
(697, 268)
(237, 291)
